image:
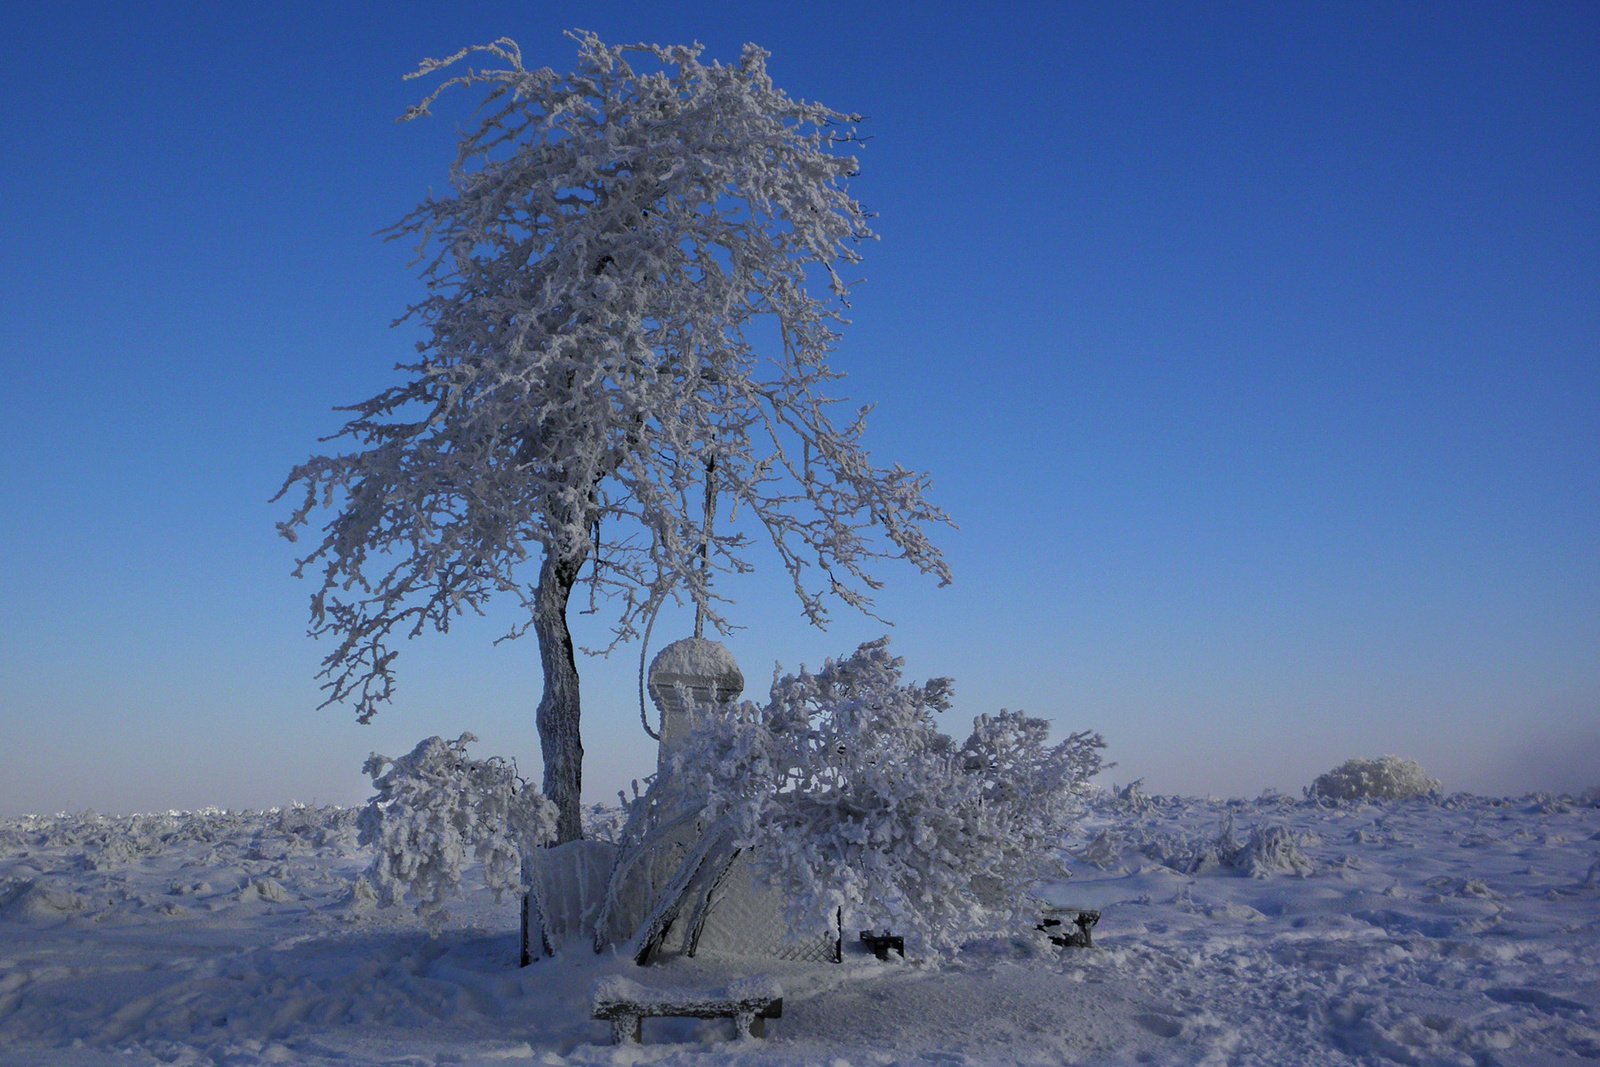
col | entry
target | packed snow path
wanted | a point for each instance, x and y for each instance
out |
(1262, 932)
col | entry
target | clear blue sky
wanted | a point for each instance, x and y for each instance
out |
(1255, 348)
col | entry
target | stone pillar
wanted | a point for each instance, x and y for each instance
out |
(708, 673)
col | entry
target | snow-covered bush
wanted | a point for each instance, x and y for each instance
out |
(851, 797)
(1384, 778)
(433, 806)
(1272, 850)
(1130, 799)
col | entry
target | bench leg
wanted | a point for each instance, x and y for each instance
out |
(747, 1024)
(628, 1030)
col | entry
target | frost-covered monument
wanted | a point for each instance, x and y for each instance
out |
(671, 886)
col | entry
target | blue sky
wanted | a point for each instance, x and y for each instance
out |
(1253, 348)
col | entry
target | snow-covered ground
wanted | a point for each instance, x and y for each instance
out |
(1272, 931)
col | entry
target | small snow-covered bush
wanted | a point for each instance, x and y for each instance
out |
(851, 797)
(1130, 799)
(1273, 850)
(433, 806)
(1384, 778)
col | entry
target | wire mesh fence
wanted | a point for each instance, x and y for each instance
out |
(747, 918)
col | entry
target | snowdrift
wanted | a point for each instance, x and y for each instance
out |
(1457, 931)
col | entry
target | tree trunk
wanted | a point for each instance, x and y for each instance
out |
(558, 708)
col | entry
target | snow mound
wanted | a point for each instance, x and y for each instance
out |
(32, 902)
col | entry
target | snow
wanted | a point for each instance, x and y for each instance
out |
(1457, 931)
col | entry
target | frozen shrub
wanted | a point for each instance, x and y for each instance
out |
(1130, 799)
(433, 806)
(852, 798)
(1272, 850)
(1384, 778)
(1548, 803)
(1103, 850)
(1192, 853)
(604, 822)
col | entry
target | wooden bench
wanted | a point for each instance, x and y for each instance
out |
(749, 1002)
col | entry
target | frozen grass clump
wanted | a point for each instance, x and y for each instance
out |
(1384, 778)
(1130, 799)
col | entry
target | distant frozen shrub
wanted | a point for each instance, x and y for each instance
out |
(1272, 850)
(113, 841)
(1130, 799)
(1384, 778)
(1549, 803)
(851, 797)
(1190, 853)
(1103, 850)
(433, 806)
(604, 822)
(304, 826)
(1272, 797)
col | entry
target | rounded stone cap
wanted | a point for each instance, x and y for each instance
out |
(708, 674)
(698, 661)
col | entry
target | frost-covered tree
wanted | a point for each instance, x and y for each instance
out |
(851, 796)
(633, 288)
